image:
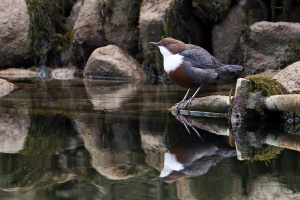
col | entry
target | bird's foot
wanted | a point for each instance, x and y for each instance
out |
(187, 124)
(177, 105)
(186, 103)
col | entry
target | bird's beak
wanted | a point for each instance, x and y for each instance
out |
(153, 43)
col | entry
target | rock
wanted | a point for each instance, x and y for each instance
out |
(102, 135)
(212, 10)
(15, 73)
(103, 22)
(186, 21)
(268, 45)
(111, 61)
(5, 87)
(290, 77)
(120, 19)
(225, 35)
(89, 29)
(43, 72)
(71, 20)
(15, 124)
(14, 30)
(63, 73)
(152, 29)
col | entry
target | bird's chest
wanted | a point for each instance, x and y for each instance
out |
(171, 63)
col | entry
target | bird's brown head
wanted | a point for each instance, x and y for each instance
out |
(174, 46)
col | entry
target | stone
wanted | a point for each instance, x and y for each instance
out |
(289, 77)
(268, 45)
(151, 27)
(71, 20)
(5, 87)
(213, 10)
(14, 126)
(14, 33)
(111, 61)
(63, 73)
(89, 31)
(103, 22)
(121, 23)
(226, 34)
(15, 73)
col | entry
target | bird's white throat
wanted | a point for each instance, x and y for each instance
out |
(171, 61)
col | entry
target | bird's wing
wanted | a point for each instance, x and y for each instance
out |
(200, 58)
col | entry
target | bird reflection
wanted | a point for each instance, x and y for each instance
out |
(191, 158)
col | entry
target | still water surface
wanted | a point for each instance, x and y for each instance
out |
(110, 140)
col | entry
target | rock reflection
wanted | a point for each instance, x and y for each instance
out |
(14, 124)
(113, 145)
(253, 140)
(51, 154)
(71, 150)
(108, 95)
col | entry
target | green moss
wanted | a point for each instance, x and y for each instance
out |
(267, 86)
(266, 154)
(47, 28)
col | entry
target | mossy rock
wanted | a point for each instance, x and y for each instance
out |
(267, 86)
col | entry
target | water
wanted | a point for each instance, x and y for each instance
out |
(110, 140)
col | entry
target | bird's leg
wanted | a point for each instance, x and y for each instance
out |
(184, 98)
(187, 124)
(190, 99)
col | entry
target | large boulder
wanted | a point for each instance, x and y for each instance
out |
(72, 18)
(290, 77)
(103, 22)
(226, 34)
(14, 30)
(151, 24)
(111, 61)
(268, 45)
(89, 29)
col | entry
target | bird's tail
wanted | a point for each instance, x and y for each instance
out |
(230, 69)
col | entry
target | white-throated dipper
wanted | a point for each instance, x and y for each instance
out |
(191, 66)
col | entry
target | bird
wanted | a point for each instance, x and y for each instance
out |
(191, 66)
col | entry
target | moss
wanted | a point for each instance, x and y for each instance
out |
(47, 28)
(267, 86)
(266, 154)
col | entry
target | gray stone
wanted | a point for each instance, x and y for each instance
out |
(88, 28)
(65, 73)
(151, 24)
(290, 77)
(111, 61)
(71, 20)
(5, 87)
(226, 34)
(268, 45)
(15, 73)
(103, 22)
(14, 30)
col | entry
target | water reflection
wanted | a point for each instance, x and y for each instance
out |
(98, 140)
(192, 157)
